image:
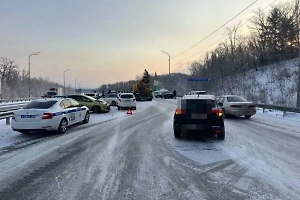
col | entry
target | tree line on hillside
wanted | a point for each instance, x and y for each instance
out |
(273, 38)
(15, 82)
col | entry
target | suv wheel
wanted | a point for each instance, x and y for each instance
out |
(25, 132)
(247, 116)
(221, 136)
(177, 133)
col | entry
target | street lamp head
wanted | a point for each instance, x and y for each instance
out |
(164, 52)
(35, 53)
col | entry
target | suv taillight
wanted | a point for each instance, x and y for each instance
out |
(47, 116)
(120, 100)
(180, 111)
(218, 111)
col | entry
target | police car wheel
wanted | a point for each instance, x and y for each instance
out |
(86, 118)
(63, 126)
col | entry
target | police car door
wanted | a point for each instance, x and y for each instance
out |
(69, 111)
(79, 115)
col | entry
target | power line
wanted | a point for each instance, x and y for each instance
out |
(223, 37)
(217, 29)
(213, 31)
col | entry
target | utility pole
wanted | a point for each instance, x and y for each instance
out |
(169, 68)
(33, 54)
(298, 88)
(65, 80)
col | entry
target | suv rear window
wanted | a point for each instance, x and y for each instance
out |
(199, 106)
(127, 96)
(236, 99)
(39, 105)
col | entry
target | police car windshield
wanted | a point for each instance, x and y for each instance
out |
(40, 104)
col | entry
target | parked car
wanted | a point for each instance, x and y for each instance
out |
(237, 106)
(157, 94)
(126, 100)
(111, 98)
(167, 95)
(93, 104)
(200, 114)
(54, 114)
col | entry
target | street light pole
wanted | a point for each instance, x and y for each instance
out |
(80, 85)
(65, 80)
(169, 67)
(75, 83)
(33, 54)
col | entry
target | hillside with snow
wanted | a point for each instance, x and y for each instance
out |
(274, 84)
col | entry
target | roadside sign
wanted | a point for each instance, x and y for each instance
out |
(199, 79)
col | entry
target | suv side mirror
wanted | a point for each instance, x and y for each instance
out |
(220, 104)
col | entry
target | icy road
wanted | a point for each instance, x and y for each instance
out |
(119, 156)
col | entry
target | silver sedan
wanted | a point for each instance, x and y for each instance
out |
(237, 106)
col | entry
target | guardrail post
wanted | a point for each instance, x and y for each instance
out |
(7, 120)
(284, 113)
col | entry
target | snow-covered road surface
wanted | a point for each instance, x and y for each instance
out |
(119, 156)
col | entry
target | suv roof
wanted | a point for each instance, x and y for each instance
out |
(202, 92)
(197, 96)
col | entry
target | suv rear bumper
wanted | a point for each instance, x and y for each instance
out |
(214, 127)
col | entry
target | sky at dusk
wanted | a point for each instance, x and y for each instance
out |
(106, 41)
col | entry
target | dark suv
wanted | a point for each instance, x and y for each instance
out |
(200, 114)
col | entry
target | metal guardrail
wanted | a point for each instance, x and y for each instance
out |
(14, 100)
(6, 115)
(281, 108)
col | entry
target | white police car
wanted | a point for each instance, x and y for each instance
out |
(54, 114)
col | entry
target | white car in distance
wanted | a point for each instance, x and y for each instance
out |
(111, 98)
(126, 100)
(54, 114)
